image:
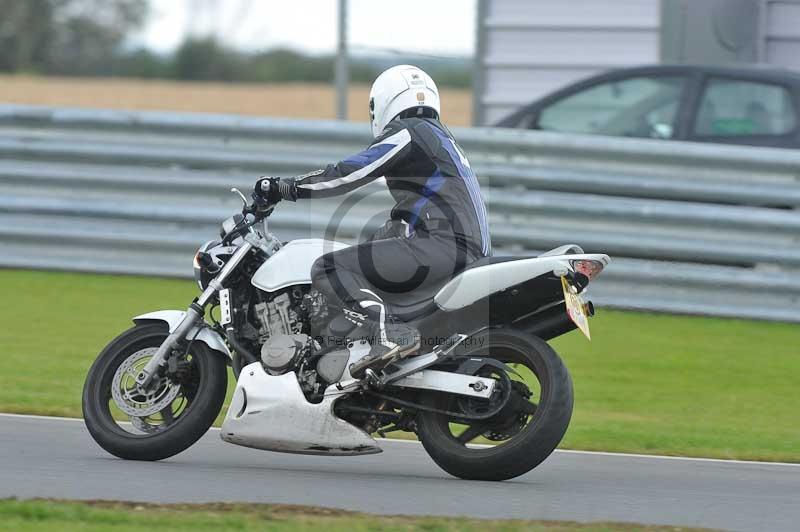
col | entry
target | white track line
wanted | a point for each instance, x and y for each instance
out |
(564, 451)
(51, 418)
(685, 458)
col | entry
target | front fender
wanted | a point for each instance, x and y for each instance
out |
(172, 318)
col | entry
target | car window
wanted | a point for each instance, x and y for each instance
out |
(731, 107)
(635, 107)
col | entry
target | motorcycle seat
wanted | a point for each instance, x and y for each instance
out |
(409, 306)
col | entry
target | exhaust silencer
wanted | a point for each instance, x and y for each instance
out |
(551, 322)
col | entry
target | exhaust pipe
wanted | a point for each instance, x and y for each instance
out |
(244, 353)
(551, 322)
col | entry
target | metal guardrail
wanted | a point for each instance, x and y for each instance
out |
(693, 228)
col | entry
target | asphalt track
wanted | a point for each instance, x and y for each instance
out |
(50, 457)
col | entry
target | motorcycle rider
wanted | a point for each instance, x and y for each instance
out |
(437, 226)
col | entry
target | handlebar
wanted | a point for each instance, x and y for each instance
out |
(260, 212)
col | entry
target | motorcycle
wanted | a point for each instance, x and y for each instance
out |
(488, 398)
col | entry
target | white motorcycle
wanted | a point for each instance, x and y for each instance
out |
(484, 375)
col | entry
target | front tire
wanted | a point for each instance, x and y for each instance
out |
(534, 442)
(203, 393)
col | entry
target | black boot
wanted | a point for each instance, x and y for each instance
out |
(392, 340)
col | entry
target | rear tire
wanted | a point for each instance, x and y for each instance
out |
(534, 443)
(192, 423)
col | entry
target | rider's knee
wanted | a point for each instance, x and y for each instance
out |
(323, 265)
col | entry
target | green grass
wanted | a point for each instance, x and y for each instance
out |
(39, 516)
(686, 386)
(646, 383)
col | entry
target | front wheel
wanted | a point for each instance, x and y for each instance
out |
(521, 435)
(159, 423)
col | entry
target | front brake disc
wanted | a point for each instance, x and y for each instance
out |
(142, 425)
(130, 397)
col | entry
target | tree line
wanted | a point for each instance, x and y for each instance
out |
(88, 38)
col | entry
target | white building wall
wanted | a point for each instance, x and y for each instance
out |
(527, 48)
(781, 32)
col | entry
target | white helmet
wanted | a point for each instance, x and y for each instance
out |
(398, 89)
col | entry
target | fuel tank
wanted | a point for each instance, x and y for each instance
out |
(291, 265)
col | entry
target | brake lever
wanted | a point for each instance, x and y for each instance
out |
(241, 196)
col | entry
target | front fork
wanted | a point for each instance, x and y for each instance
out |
(192, 319)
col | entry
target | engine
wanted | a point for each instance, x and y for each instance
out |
(284, 324)
(277, 316)
(283, 352)
(293, 311)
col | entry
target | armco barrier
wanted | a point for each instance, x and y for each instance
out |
(693, 228)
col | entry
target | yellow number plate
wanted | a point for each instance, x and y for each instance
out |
(575, 308)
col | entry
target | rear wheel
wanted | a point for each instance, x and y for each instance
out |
(527, 429)
(163, 421)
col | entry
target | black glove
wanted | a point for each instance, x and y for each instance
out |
(266, 192)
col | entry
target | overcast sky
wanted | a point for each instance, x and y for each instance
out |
(437, 27)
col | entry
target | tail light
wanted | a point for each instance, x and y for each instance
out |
(589, 268)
